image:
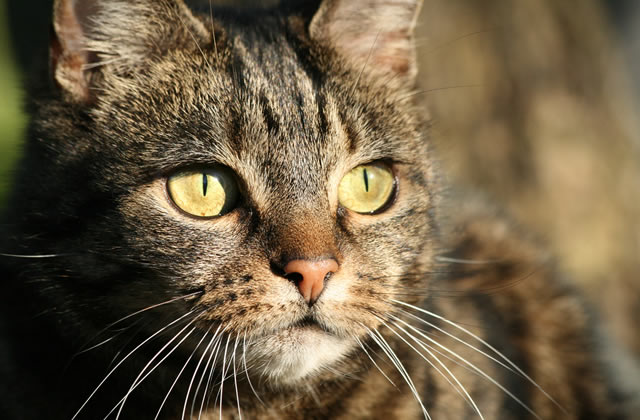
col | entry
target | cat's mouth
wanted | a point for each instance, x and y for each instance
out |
(308, 323)
(297, 350)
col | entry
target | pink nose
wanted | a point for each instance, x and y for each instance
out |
(313, 274)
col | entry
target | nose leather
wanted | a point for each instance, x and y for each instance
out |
(312, 276)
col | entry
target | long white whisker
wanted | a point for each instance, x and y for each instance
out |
(195, 372)
(126, 357)
(361, 344)
(204, 369)
(379, 339)
(366, 61)
(452, 359)
(224, 373)
(476, 369)
(502, 356)
(138, 381)
(464, 261)
(206, 395)
(246, 368)
(125, 345)
(33, 257)
(235, 376)
(213, 30)
(103, 63)
(458, 340)
(102, 343)
(459, 386)
(178, 377)
(138, 313)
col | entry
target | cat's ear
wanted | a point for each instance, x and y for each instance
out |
(121, 34)
(378, 34)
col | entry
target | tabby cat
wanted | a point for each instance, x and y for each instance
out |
(240, 215)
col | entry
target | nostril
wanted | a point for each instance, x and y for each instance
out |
(310, 276)
(277, 270)
(294, 277)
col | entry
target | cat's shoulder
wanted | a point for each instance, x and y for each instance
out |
(493, 259)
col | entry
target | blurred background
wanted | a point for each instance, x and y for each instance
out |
(533, 103)
(12, 120)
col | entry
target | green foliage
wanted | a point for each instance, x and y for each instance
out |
(12, 120)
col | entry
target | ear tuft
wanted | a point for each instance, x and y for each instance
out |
(68, 50)
(120, 34)
(376, 32)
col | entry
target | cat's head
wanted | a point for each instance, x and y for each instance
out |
(267, 174)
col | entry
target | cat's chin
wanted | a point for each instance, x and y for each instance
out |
(297, 353)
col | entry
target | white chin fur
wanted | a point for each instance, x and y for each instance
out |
(292, 355)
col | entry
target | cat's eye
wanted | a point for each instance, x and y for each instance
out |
(367, 189)
(204, 193)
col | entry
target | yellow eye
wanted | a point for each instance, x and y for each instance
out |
(367, 188)
(204, 193)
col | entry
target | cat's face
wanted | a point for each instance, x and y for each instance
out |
(284, 118)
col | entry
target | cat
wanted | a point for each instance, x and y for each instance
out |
(224, 215)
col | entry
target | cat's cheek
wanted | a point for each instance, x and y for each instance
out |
(191, 252)
(350, 303)
(274, 301)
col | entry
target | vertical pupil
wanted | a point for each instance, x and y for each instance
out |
(205, 184)
(366, 180)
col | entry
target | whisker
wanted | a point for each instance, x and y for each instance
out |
(126, 344)
(454, 40)
(502, 356)
(126, 357)
(453, 337)
(157, 305)
(451, 358)
(102, 63)
(213, 30)
(361, 344)
(465, 261)
(459, 386)
(207, 395)
(453, 293)
(246, 368)
(224, 373)
(209, 347)
(102, 343)
(195, 372)
(138, 381)
(494, 382)
(34, 257)
(379, 339)
(175, 381)
(235, 377)
(194, 39)
(439, 88)
(357, 82)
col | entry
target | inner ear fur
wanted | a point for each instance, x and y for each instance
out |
(69, 53)
(119, 34)
(378, 33)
